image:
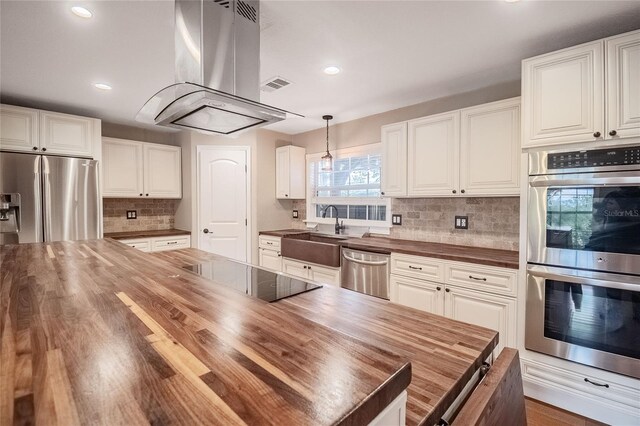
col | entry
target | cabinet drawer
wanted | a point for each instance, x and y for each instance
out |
(171, 243)
(268, 242)
(484, 278)
(417, 267)
(142, 245)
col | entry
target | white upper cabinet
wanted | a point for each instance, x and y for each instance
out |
(32, 130)
(18, 128)
(490, 149)
(394, 160)
(290, 172)
(563, 96)
(433, 155)
(134, 169)
(623, 85)
(67, 134)
(586, 93)
(162, 171)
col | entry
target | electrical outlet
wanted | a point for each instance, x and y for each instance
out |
(132, 214)
(462, 222)
(295, 214)
(396, 219)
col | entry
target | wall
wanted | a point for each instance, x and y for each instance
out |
(493, 221)
(152, 214)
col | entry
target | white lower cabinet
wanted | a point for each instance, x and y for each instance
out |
(395, 414)
(311, 271)
(270, 259)
(476, 294)
(154, 244)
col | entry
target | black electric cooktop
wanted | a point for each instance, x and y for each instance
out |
(256, 282)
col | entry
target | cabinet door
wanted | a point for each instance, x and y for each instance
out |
(66, 134)
(295, 268)
(271, 259)
(486, 310)
(121, 168)
(418, 294)
(162, 171)
(490, 149)
(623, 86)
(433, 155)
(394, 160)
(324, 275)
(282, 172)
(563, 96)
(18, 128)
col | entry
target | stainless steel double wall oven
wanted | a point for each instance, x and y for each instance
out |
(583, 271)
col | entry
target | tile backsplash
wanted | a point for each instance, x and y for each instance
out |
(152, 214)
(493, 222)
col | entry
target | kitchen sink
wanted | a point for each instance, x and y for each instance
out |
(312, 247)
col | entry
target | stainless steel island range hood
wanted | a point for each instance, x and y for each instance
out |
(217, 45)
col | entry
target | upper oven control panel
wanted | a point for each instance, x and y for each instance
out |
(594, 158)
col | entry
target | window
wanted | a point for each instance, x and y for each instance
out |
(353, 186)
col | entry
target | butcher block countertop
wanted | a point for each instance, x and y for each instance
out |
(444, 353)
(129, 235)
(94, 332)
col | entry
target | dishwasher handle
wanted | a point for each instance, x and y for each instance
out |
(366, 262)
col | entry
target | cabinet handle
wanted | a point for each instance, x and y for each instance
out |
(270, 243)
(454, 191)
(447, 290)
(172, 242)
(462, 190)
(604, 385)
(613, 133)
(471, 277)
(438, 288)
(415, 267)
(597, 134)
(44, 149)
(35, 148)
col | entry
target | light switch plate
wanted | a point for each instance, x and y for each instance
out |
(462, 222)
(295, 214)
(396, 219)
(132, 214)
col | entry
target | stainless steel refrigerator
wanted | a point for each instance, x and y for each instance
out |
(48, 198)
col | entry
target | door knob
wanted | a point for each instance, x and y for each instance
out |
(205, 230)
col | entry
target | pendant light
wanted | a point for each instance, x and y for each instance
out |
(327, 159)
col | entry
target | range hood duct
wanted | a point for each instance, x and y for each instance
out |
(217, 45)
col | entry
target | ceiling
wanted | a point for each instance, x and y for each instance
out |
(392, 53)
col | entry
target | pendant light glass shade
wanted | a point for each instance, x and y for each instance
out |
(327, 159)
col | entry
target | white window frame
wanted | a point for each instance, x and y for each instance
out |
(312, 200)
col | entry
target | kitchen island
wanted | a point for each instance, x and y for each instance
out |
(96, 332)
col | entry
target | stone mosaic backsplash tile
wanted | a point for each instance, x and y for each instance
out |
(152, 214)
(493, 222)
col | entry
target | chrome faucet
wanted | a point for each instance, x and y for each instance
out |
(339, 227)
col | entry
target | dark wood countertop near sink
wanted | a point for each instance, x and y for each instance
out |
(145, 234)
(479, 255)
(444, 353)
(95, 332)
(284, 232)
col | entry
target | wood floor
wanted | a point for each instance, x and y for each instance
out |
(541, 414)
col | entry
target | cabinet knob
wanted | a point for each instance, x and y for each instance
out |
(141, 195)
(147, 195)
(382, 193)
(454, 191)
(438, 288)
(596, 134)
(309, 267)
(462, 190)
(35, 148)
(613, 133)
(447, 290)
(305, 266)
(286, 195)
(205, 230)
(44, 149)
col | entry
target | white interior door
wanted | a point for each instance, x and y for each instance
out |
(222, 202)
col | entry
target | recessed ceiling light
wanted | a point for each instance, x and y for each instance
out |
(332, 70)
(81, 12)
(102, 86)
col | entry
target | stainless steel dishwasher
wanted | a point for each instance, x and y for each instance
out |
(365, 272)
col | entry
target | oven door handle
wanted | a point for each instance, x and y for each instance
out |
(543, 181)
(543, 272)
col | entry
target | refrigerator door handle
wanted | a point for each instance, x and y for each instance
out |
(37, 194)
(46, 199)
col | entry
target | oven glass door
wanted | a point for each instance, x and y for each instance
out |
(586, 223)
(596, 322)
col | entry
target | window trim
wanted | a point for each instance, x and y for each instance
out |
(381, 226)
